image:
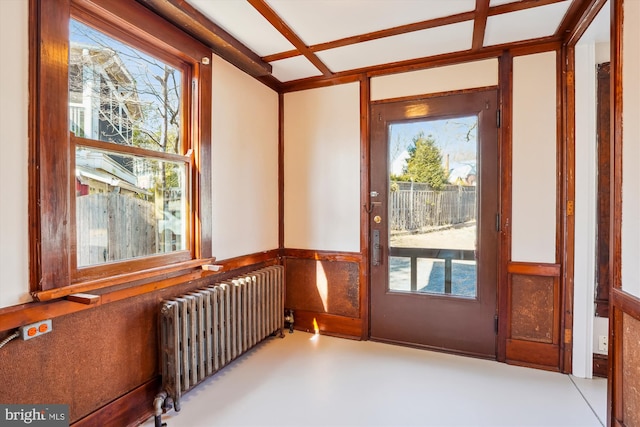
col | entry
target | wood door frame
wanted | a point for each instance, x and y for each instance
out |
(623, 305)
(505, 142)
(498, 180)
(603, 120)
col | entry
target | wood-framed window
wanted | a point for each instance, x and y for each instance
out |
(120, 175)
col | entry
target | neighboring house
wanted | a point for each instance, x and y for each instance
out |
(97, 172)
(463, 173)
(103, 102)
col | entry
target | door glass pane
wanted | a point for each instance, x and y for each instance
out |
(433, 206)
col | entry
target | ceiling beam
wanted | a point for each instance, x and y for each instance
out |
(193, 22)
(395, 31)
(422, 25)
(263, 8)
(525, 47)
(578, 19)
(480, 24)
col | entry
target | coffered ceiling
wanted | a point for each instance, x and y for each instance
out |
(288, 41)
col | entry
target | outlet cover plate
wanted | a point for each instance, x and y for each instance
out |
(35, 329)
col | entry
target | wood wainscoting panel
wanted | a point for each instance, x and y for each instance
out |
(331, 287)
(102, 360)
(631, 370)
(532, 308)
(624, 359)
(325, 287)
(533, 316)
(600, 365)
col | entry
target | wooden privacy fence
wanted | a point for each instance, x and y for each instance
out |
(414, 209)
(113, 226)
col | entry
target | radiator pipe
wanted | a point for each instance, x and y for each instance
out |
(158, 402)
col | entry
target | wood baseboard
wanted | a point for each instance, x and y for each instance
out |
(600, 365)
(533, 354)
(129, 410)
(328, 324)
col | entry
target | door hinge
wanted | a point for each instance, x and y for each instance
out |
(498, 222)
(569, 207)
(495, 323)
(498, 118)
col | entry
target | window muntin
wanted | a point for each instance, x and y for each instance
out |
(129, 203)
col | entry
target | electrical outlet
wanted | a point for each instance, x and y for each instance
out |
(35, 329)
(603, 343)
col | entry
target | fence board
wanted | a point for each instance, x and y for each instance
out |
(113, 226)
(412, 209)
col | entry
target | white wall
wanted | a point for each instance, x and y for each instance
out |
(245, 163)
(434, 80)
(14, 90)
(631, 148)
(322, 168)
(586, 327)
(244, 152)
(585, 208)
(534, 158)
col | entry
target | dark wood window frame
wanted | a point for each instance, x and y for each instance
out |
(52, 230)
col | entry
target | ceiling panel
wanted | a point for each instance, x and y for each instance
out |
(418, 44)
(319, 21)
(244, 22)
(293, 37)
(525, 24)
(493, 3)
(294, 68)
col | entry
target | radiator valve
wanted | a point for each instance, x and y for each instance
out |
(288, 319)
(158, 404)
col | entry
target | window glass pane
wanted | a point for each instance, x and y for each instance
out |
(127, 207)
(121, 95)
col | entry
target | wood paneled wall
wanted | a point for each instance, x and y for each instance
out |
(96, 355)
(631, 370)
(325, 288)
(624, 307)
(533, 315)
(624, 359)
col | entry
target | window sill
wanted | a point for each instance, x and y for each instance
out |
(120, 279)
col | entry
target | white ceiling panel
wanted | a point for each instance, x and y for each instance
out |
(418, 44)
(525, 24)
(493, 3)
(294, 68)
(245, 23)
(319, 21)
(316, 22)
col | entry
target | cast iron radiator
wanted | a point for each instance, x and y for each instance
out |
(204, 330)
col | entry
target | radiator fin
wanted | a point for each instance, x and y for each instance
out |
(204, 330)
